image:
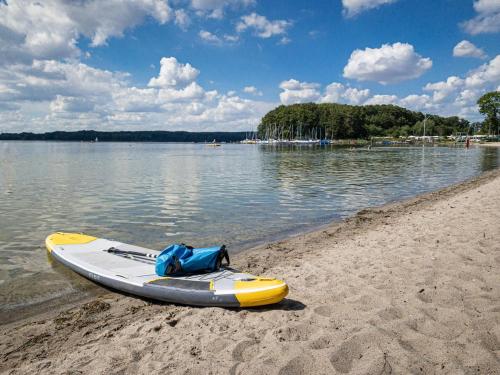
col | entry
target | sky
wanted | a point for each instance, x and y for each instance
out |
(205, 65)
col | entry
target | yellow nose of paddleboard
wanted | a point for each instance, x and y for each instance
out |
(260, 292)
(62, 238)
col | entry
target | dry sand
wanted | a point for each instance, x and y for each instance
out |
(408, 288)
(490, 144)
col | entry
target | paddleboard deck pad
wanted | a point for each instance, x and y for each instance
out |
(129, 272)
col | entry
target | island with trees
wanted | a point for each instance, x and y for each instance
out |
(342, 121)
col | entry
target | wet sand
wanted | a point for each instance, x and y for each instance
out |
(410, 287)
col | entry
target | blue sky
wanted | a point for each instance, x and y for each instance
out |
(222, 64)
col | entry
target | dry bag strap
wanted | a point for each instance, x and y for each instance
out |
(224, 254)
(172, 269)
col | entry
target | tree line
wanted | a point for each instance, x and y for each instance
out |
(489, 106)
(127, 136)
(342, 121)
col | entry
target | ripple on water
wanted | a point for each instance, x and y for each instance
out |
(156, 194)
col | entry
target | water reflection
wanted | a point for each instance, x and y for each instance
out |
(155, 194)
(489, 158)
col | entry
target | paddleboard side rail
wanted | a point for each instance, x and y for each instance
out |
(149, 290)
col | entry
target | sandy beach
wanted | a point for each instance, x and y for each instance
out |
(490, 144)
(408, 288)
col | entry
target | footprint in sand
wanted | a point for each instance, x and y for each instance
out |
(233, 370)
(245, 350)
(431, 328)
(495, 308)
(297, 366)
(360, 355)
(390, 313)
(321, 343)
(490, 341)
(294, 333)
(366, 302)
(311, 281)
(326, 311)
(424, 297)
(218, 346)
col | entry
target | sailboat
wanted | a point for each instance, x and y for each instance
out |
(213, 144)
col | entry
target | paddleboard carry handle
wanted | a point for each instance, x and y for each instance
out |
(126, 252)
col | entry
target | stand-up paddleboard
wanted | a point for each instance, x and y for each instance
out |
(131, 269)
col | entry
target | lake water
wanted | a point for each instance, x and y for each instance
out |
(156, 194)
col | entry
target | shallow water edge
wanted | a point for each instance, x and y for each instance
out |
(241, 254)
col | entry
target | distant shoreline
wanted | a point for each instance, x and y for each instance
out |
(128, 136)
(153, 136)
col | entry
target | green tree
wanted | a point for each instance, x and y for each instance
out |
(341, 121)
(489, 105)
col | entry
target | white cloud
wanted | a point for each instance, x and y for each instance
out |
(44, 87)
(468, 49)
(441, 90)
(44, 79)
(417, 102)
(234, 108)
(387, 64)
(487, 19)
(71, 104)
(467, 98)
(215, 8)
(336, 92)
(207, 36)
(101, 20)
(354, 7)
(252, 90)
(303, 92)
(293, 84)
(313, 34)
(459, 95)
(382, 99)
(182, 19)
(193, 91)
(455, 96)
(299, 92)
(231, 38)
(51, 30)
(485, 6)
(50, 95)
(173, 73)
(284, 41)
(211, 38)
(486, 74)
(262, 27)
(133, 99)
(333, 93)
(356, 96)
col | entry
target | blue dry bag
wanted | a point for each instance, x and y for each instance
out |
(182, 259)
